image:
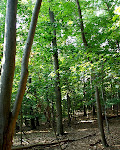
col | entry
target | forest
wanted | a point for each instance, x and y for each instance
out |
(60, 74)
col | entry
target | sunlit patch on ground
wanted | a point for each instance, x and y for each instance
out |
(83, 131)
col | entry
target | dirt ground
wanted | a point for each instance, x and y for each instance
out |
(82, 135)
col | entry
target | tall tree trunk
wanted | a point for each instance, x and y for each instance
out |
(37, 122)
(84, 110)
(84, 98)
(84, 42)
(53, 113)
(7, 72)
(100, 120)
(7, 118)
(52, 110)
(93, 110)
(21, 124)
(68, 109)
(81, 25)
(104, 95)
(99, 111)
(105, 113)
(48, 108)
(32, 119)
(57, 80)
(91, 86)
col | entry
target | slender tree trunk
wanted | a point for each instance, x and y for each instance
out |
(117, 104)
(104, 100)
(84, 42)
(100, 120)
(37, 122)
(32, 119)
(81, 25)
(48, 109)
(93, 110)
(99, 111)
(84, 110)
(8, 118)
(68, 109)
(53, 114)
(7, 72)
(21, 124)
(52, 109)
(104, 96)
(0, 61)
(91, 86)
(84, 98)
(57, 80)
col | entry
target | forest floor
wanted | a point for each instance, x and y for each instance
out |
(82, 135)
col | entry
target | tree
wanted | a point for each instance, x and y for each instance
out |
(81, 25)
(57, 80)
(7, 117)
(100, 120)
(99, 111)
(78, 58)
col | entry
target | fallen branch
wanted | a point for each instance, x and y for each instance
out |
(50, 144)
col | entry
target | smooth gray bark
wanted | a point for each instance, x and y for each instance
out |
(8, 67)
(25, 60)
(57, 80)
(7, 118)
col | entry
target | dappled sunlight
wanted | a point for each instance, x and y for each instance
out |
(87, 121)
(82, 129)
(33, 131)
(64, 93)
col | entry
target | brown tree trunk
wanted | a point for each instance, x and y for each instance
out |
(84, 110)
(32, 119)
(57, 80)
(81, 25)
(99, 111)
(37, 122)
(68, 109)
(84, 98)
(100, 120)
(93, 110)
(53, 113)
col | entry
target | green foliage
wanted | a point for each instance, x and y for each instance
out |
(111, 102)
(98, 65)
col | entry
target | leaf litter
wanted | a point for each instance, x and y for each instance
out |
(83, 134)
